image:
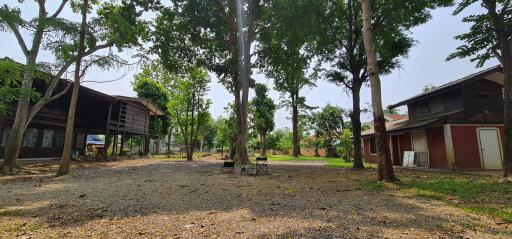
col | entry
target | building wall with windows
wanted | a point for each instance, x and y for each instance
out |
(41, 141)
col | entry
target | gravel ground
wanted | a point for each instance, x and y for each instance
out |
(166, 199)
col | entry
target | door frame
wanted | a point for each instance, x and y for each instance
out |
(424, 132)
(482, 165)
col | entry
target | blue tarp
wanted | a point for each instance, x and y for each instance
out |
(95, 139)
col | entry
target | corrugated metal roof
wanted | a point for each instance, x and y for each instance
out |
(398, 125)
(450, 85)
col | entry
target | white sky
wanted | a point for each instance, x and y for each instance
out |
(425, 65)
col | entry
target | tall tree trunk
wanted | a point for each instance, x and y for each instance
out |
(264, 144)
(169, 138)
(295, 127)
(68, 138)
(13, 145)
(356, 125)
(508, 123)
(507, 70)
(241, 90)
(21, 119)
(385, 164)
(190, 153)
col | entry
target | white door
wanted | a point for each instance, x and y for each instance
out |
(420, 147)
(419, 142)
(490, 148)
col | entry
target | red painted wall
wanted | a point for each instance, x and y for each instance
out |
(437, 148)
(405, 144)
(369, 158)
(465, 146)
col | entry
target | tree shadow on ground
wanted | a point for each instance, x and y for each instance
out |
(293, 201)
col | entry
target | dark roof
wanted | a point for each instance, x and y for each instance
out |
(154, 110)
(399, 125)
(449, 86)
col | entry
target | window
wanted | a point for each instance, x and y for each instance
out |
(47, 138)
(5, 136)
(373, 145)
(425, 108)
(59, 138)
(29, 138)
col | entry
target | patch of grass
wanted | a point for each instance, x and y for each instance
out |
(291, 158)
(11, 213)
(490, 211)
(331, 162)
(373, 186)
(465, 189)
(474, 195)
(172, 158)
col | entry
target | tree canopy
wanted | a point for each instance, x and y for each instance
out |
(150, 88)
(189, 106)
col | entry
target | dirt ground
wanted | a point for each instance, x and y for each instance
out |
(151, 198)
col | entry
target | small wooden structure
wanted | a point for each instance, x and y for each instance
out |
(117, 117)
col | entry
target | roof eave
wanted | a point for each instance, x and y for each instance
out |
(448, 87)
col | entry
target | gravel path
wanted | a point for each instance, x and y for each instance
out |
(165, 199)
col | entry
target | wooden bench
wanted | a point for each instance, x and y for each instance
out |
(228, 167)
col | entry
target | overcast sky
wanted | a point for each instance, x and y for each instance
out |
(425, 65)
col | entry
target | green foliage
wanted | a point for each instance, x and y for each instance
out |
(481, 42)
(209, 133)
(226, 131)
(150, 88)
(328, 127)
(183, 38)
(283, 50)
(345, 145)
(393, 111)
(263, 109)
(429, 88)
(342, 43)
(189, 106)
(11, 76)
(280, 141)
(10, 82)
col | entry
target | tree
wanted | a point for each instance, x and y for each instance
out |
(155, 71)
(490, 36)
(88, 35)
(68, 137)
(328, 127)
(429, 88)
(280, 141)
(385, 164)
(283, 52)
(224, 133)
(263, 115)
(114, 24)
(182, 37)
(11, 75)
(152, 89)
(210, 134)
(189, 107)
(342, 45)
(391, 111)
